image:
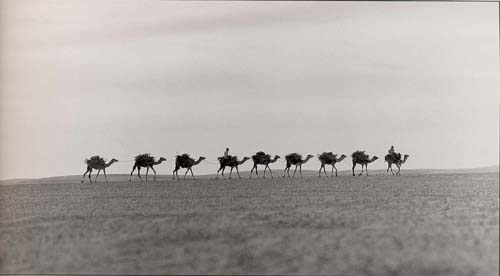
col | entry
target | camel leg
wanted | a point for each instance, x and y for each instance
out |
(105, 177)
(271, 172)
(187, 170)
(147, 172)
(90, 172)
(231, 172)
(335, 170)
(333, 166)
(391, 170)
(366, 169)
(284, 171)
(139, 172)
(223, 169)
(130, 177)
(353, 166)
(300, 170)
(95, 180)
(362, 169)
(176, 173)
(251, 171)
(154, 179)
(287, 170)
(294, 171)
(399, 169)
(238, 172)
(319, 174)
(265, 168)
(217, 177)
(83, 177)
(192, 173)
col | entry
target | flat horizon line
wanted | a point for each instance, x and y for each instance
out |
(491, 169)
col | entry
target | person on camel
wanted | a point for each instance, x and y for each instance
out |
(391, 150)
(226, 153)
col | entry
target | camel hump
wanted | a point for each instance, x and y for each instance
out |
(293, 157)
(393, 156)
(260, 153)
(95, 160)
(361, 155)
(145, 157)
(183, 160)
(229, 157)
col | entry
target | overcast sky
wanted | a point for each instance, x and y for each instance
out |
(119, 78)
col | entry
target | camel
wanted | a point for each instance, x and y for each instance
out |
(359, 157)
(230, 161)
(328, 158)
(261, 158)
(395, 158)
(184, 161)
(147, 161)
(295, 159)
(97, 163)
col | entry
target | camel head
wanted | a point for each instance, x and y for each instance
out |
(341, 158)
(404, 159)
(111, 162)
(309, 156)
(162, 159)
(243, 160)
(373, 158)
(202, 158)
(276, 157)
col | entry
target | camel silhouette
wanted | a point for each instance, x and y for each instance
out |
(97, 163)
(328, 158)
(261, 158)
(295, 159)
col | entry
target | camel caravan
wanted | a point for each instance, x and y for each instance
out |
(260, 158)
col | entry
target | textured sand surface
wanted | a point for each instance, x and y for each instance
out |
(378, 225)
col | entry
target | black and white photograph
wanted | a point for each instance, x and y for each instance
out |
(151, 137)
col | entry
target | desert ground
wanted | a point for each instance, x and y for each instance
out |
(415, 224)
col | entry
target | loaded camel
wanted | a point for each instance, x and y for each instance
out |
(395, 158)
(147, 161)
(184, 161)
(230, 161)
(328, 158)
(359, 157)
(295, 159)
(261, 158)
(97, 163)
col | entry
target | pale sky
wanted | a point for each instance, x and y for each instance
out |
(119, 78)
